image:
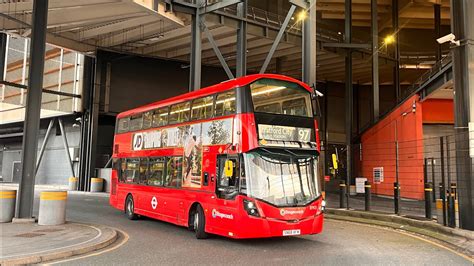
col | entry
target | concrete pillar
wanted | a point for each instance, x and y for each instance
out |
(52, 209)
(7, 205)
(73, 183)
(97, 184)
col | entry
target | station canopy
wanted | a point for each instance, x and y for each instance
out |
(145, 27)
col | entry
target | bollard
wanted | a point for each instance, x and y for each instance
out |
(428, 192)
(97, 184)
(342, 191)
(52, 209)
(7, 205)
(368, 196)
(396, 197)
(451, 210)
(454, 190)
(73, 181)
(442, 196)
(439, 211)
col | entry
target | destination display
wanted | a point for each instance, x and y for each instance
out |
(283, 133)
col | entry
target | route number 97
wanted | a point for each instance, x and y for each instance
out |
(303, 134)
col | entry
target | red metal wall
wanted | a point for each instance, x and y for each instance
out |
(438, 111)
(405, 125)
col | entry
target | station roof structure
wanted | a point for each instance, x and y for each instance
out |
(144, 27)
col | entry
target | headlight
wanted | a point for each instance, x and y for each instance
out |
(250, 208)
(323, 203)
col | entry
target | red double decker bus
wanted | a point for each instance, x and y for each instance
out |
(238, 159)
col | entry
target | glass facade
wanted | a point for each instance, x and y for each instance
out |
(62, 80)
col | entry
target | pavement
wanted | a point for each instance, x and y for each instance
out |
(346, 240)
(30, 243)
(383, 204)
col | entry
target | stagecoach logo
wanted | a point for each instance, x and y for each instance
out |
(154, 203)
(138, 141)
(284, 212)
(216, 213)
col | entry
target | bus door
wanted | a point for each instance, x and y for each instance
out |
(224, 209)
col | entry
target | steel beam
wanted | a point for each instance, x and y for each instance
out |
(66, 145)
(45, 142)
(217, 52)
(195, 64)
(346, 45)
(375, 62)
(241, 59)
(218, 5)
(349, 95)
(462, 25)
(437, 29)
(277, 39)
(309, 45)
(396, 50)
(26, 190)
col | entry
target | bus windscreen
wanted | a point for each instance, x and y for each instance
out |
(280, 97)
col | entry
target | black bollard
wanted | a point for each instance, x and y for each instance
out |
(368, 196)
(442, 196)
(451, 207)
(342, 191)
(428, 192)
(396, 197)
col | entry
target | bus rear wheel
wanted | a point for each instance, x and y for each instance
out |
(199, 223)
(130, 208)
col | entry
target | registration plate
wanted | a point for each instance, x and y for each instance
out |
(293, 232)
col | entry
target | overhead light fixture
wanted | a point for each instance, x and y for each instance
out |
(389, 39)
(449, 38)
(302, 15)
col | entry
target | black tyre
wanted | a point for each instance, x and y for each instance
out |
(199, 223)
(129, 208)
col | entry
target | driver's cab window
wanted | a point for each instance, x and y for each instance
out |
(228, 178)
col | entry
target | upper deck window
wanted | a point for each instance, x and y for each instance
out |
(160, 117)
(202, 108)
(147, 119)
(123, 125)
(225, 103)
(179, 113)
(136, 122)
(280, 97)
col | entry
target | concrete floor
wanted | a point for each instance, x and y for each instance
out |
(155, 242)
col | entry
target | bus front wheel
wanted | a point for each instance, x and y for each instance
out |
(199, 223)
(129, 208)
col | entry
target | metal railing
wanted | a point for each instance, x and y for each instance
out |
(426, 76)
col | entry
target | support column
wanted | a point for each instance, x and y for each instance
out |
(26, 191)
(87, 88)
(93, 120)
(309, 45)
(462, 25)
(349, 95)
(396, 50)
(195, 64)
(437, 29)
(3, 52)
(241, 60)
(375, 62)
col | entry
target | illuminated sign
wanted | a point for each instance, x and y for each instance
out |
(284, 133)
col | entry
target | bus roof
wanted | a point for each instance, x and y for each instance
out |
(223, 86)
